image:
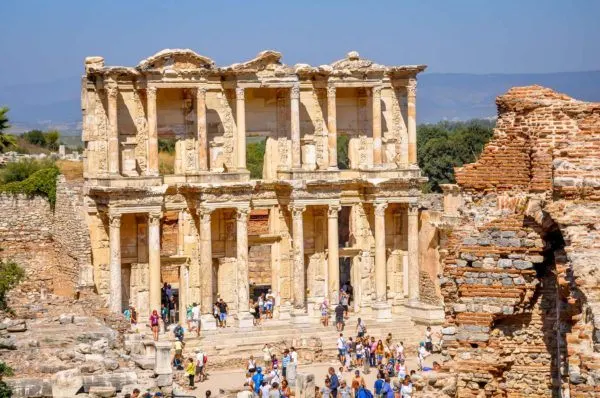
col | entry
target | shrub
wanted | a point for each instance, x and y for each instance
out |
(10, 276)
(21, 170)
(42, 182)
(255, 158)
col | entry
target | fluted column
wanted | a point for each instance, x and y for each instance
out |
(154, 259)
(413, 253)
(333, 263)
(411, 91)
(377, 158)
(206, 267)
(112, 92)
(331, 126)
(380, 260)
(152, 146)
(295, 125)
(298, 279)
(242, 259)
(241, 127)
(115, 262)
(202, 135)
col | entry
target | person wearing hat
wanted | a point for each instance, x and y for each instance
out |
(344, 391)
(274, 376)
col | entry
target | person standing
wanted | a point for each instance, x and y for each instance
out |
(344, 391)
(429, 340)
(386, 390)
(406, 389)
(267, 356)
(164, 314)
(334, 382)
(257, 380)
(344, 300)
(379, 383)
(200, 365)
(339, 317)
(357, 382)
(222, 313)
(196, 319)
(285, 362)
(190, 370)
(154, 321)
(172, 309)
(294, 356)
(341, 346)
(325, 313)
(361, 328)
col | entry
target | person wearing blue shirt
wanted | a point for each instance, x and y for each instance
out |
(379, 383)
(257, 380)
(334, 382)
(386, 390)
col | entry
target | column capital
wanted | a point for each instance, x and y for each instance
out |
(295, 91)
(112, 90)
(297, 210)
(242, 213)
(239, 93)
(413, 209)
(151, 92)
(154, 218)
(411, 87)
(204, 213)
(114, 219)
(376, 91)
(201, 91)
(330, 89)
(380, 208)
(333, 210)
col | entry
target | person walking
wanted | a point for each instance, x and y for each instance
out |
(201, 360)
(196, 319)
(334, 382)
(341, 346)
(339, 317)
(285, 362)
(172, 310)
(361, 328)
(267, 356)
(325, 313)
(429, 340)
(190, 371)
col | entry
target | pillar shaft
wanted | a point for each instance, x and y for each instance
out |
(201, 126)
(380, 260)
(206, 267)
(295, 126)
(113, 132)
(241, 128)
(413, 253)
(154, 260)
(331, 126)
(115, 262)
(242, 260)
(180, 232)
(152, 148)
(411, 90)
(183, 292)
(377, 157)
(298, 279)
(333, 263)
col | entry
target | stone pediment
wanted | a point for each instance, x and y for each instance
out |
(176, 59)
(353, 62)
(267, 59)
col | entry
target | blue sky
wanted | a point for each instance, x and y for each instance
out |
(48, 40)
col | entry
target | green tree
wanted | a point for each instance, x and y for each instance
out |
(35, 137)
(10, 276)
(343, 162)
(5, 370)
(6, 141)
(255, 157)
(52, 139)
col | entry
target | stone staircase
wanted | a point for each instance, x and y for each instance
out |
(231, 347)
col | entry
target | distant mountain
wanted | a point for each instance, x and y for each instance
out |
(441, 96)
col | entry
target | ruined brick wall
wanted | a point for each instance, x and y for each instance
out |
(520, 280)
(51, 244)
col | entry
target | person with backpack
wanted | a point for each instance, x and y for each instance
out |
(361, 328)
(379, 383)
(387, 390)
(201, 359)
(257, 380)
(334, 382)
(364, 392)
(178, 332)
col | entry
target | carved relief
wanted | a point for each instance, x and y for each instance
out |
(411, 88)
(228, 128)
(141, 126)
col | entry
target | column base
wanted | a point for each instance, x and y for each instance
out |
(300, 316)
(285, 311)
(423, 313)
(208, 322)
(244, 320)
(383, 311)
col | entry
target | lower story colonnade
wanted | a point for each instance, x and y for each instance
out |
(237, 245)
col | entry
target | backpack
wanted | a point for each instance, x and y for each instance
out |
(365, 393)
(204, 359)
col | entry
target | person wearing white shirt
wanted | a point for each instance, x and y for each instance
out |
(294, 355)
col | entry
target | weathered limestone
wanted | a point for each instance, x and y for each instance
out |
(413, 253)
(333, 268)
(412, 121)
(331, 127)
(162, 364)
(115, 262)
(240, 119)
(113, 137)
(154, 260)
(377, 155)
(299, 288)
(382, 308)
(295, 126)
(152, 142)
(202, 136)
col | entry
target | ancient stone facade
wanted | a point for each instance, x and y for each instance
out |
(520, 254)
(210, 231)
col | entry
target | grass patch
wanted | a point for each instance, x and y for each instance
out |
(73, 171)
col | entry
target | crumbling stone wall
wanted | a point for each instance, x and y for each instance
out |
(520, 280)
(51, 244)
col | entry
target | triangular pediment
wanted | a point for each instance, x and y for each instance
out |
(176, 59)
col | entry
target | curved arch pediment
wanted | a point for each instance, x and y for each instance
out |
(178, 59)
(260, 62)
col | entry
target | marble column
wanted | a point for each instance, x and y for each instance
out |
(333, 261)
(206, 269)
(180, 232)
(241, 128)
(380, 260)
(377, 157)
(295, 126)
(382, 309)
(202, 136)
(115, 262)
(413, 253)
(243, 289)
(112, 92)
(298, 271)
(331, 126)
(152, 146)
(411, 91)
(154, 259)
(183, 292)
